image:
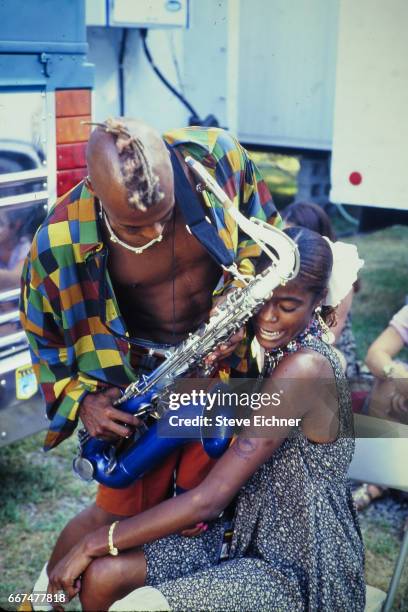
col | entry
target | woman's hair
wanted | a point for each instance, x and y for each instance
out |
(312, 216)
(316, 261)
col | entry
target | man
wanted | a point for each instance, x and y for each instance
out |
(114, 272)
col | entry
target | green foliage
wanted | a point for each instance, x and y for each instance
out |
(280, 174)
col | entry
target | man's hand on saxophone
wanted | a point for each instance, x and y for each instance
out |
(102, 420)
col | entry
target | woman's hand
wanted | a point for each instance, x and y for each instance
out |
(191, 532)
(66, 575)
(226, 348)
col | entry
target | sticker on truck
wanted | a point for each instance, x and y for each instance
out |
(26, 382)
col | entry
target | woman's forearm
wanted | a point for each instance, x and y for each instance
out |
(202, 503)
(171, 516)
(376, 362)
(382, 351)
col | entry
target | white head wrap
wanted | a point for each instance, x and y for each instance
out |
(346, 264)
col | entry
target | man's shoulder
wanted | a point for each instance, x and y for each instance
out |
(213, 140)
(70, 221)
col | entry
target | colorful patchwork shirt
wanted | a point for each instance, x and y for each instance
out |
(77, 336)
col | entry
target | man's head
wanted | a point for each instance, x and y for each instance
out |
(130, 172)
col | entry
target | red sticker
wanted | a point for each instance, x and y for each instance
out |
(355, 178)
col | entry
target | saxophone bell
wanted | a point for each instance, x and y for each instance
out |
(100, 460)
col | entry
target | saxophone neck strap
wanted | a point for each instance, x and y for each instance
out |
(194, 215)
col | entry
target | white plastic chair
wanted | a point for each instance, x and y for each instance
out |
(381, 457)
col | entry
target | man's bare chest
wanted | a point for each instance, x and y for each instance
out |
(177, 256)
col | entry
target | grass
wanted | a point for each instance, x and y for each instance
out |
(40, 494)
(384, 282)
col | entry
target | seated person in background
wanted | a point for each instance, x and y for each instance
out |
(389, 398)
(14, 246)
(296, 543)
(312, 216)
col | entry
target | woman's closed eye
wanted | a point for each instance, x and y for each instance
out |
(288, 306)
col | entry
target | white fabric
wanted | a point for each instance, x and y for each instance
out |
(145, 599)
(41, 587)
(374, 599)
(346, 264)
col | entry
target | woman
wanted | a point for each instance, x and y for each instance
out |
(296, 543)
(389, 398)
(14, 246)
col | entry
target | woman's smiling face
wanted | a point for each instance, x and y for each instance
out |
(284, 316)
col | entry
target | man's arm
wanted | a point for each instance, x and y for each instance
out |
(238, 176)
(68, 393)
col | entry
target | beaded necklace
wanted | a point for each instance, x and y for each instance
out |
(275, 356)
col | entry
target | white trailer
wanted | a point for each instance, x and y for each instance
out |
(323, 78)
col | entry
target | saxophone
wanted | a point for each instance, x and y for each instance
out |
(116, 467)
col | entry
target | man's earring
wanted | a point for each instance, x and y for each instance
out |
(327, 335)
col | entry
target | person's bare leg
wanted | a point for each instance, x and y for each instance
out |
(108, 579)
(86, 521)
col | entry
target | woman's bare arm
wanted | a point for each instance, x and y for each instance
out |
(383, 350)
(381, 354)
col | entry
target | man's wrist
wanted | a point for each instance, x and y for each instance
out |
(96, 543)
(388, 369)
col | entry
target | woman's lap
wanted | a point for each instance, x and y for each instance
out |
(175, 556)
(187, 573)
(237, 584)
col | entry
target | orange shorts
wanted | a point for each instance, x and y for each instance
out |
(191, 465)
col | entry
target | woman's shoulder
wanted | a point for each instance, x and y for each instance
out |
(304, 363)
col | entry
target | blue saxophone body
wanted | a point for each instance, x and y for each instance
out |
(101, 461)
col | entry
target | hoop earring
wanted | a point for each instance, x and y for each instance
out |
(327, 335)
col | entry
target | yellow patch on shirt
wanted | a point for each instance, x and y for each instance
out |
(59, 234)
(108, 358)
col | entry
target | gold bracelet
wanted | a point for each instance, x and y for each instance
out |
(112, 549)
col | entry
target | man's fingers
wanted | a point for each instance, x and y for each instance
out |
(119, 430)
(123, 417)
(113, 393)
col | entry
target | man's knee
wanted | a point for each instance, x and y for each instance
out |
(88, 520)
(77, 528)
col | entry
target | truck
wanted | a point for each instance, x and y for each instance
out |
(324, 80)
(45, 98)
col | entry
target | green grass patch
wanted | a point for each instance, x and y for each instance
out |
(384, 283)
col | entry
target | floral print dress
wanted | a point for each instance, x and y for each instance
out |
(296, 544)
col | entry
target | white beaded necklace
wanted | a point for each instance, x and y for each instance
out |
(129, 247)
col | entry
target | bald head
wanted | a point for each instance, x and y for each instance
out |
(128, 160)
